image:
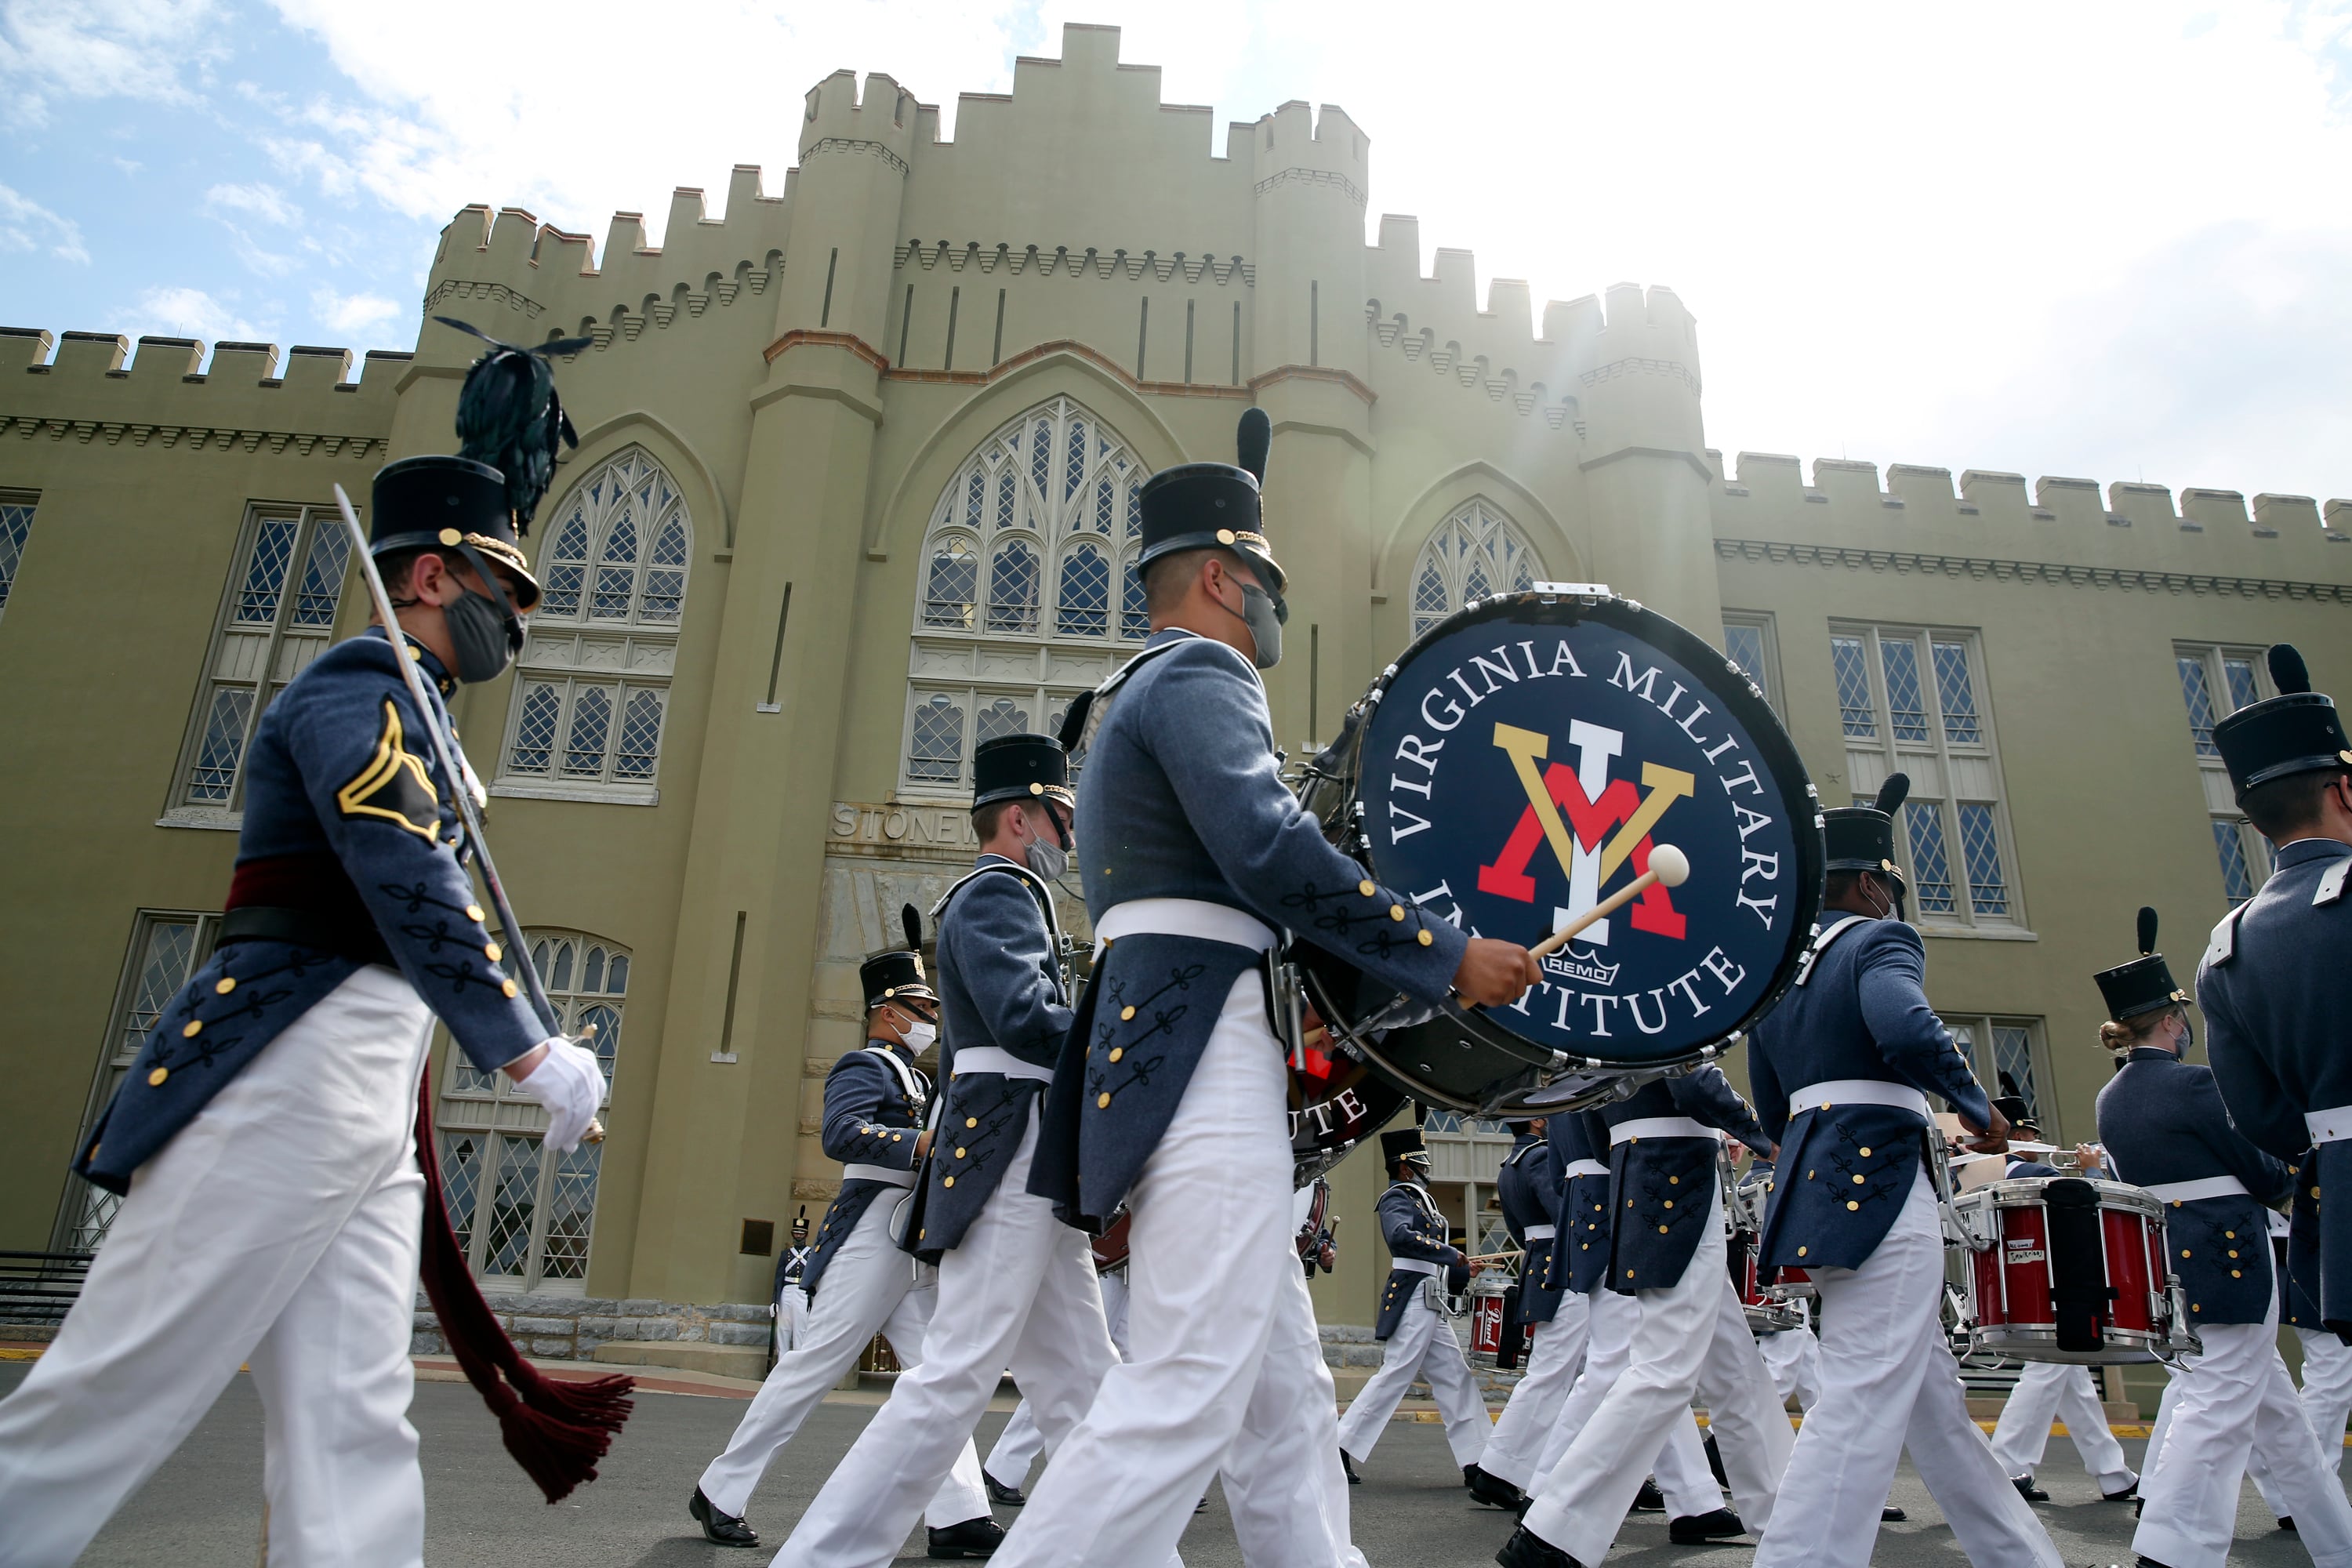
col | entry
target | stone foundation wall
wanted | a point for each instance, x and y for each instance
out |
(570, 1328)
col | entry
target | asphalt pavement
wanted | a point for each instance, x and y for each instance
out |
(202, 1508)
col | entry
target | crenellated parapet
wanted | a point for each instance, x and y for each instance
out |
(92, 388)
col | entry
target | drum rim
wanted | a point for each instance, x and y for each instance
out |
(2022, 1193)
(1775, 748)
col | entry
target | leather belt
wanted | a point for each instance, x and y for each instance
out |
(1659, 1127)
(1416, 1266)
(304, 928)
(2333, 1125)
(1858, 1091)
(1195, 918)
(2189, 1192)
(997, 1059)
(883, 1174)
(1583, 1168)
(1541, 1232)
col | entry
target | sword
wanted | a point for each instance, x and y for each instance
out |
(465, 789)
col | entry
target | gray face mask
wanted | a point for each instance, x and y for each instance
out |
(1265, 619)
(483, 637)
(1048, 861)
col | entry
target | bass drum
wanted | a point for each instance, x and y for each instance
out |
(1513, 769)
(1335, 1103)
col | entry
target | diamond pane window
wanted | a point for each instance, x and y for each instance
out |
(1012, 589)
(2197, 691)
(322, 578)
(1744, 644)
(461, 1181)
(1956, 694)
(1931, 867)
(1859, 713)
(584, 744)
(1040, 453)
(1075, 472)
(2229, 848)
(1000, 718)
(640, 740)
(215, 772)
(628, 520)
(1135, 511)
(2012, 1057)
(514, 1204)
(571, 1209)
(1906, 713)
(533, 746)
(1134, 611)
(1981, 849)
(1084, 600)
(935, 750)
(1105, 503)
(1475, 554)
(616, 570)
(15, 528)
(954, 587)
(2215, 682)
(264, 575)
(975, 498)
(2240, 674)
(567, 569)
(664, 594)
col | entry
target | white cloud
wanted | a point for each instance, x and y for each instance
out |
(185, 312)
(264, 202)
(26, 226)
(99, 49)
(352, 315)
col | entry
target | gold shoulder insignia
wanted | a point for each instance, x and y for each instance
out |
(394, 785)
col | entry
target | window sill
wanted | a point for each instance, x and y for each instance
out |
(587, 794)
(211, 818)
(1978, 933)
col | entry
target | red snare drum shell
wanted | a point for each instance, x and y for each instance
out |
(1486, 1325)
(2023, 1258)
(2130, 1239)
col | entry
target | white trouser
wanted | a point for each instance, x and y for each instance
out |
(2257, 1470)
(1692, 1337)
(2326, 1390)
(1888, 1381)
(869, 1287)
(1209, 1239)
(1425, 1346)
(1282, 1475)
(1554, 1354)
(1793, 1357)
(2048, 1390)
(1017, 1292)
(1018, 1446)
(279, 1228)
(1680, 1465)
(791, 1312)
(2234, 1401)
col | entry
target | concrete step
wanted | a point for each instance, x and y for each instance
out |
(725, 1361)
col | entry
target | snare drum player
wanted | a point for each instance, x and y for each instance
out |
(1843, 1068)
(859, 1284)
(1419, 1341)
(1017, 1286)
(1666, 1251)
(2165, 1128)
(263, 1137)
(1530, 1186)
(1169, 1095)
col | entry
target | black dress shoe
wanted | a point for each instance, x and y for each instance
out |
(1526, 1548)
(1890, 1514)
(2129, 1494)
(974, 1538)
(998, 1492)
(2286, 1523)
(721, 1528)
(1698, 1529)
(1649, 1499)
(1492, 1490)
(2150, 1562)
(2027, 1489)
(1349, 1464)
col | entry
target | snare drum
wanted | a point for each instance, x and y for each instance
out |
(1486, 1302)
(2076, 1273)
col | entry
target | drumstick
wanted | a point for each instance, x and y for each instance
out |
(1493, 1256)
(1669, 867)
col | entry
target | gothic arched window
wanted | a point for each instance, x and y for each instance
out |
(1028, 591)
(1473, 554)
(587, 721)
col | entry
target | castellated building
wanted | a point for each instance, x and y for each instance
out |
(855, 489)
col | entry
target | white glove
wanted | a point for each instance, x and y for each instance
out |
(567, 1082)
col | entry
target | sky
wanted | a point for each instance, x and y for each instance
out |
(2104, 239)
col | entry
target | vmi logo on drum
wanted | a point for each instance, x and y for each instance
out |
(1517, 773)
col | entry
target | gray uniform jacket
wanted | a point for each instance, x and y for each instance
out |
(1666, 1186)
(1414, 1228)
(2276, 992)
(1000, 985)
(869, 1120)
(1580, 1255)
(1528, 1186)
(1181, 798)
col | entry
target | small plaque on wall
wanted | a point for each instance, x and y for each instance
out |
(758, 1238)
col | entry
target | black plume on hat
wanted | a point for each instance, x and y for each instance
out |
(510, 418)
(1893, 794)
(914, 924)
(1253, 440)
(2141, 984)
(2288, 672)
(2147, 930)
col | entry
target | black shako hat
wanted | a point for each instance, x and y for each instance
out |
(2145, 984)
(1862, 837)
(1405, 1144)
(2297, 731)
(448, 503)
(1021, 767)
(898, 973)
(1200, 506)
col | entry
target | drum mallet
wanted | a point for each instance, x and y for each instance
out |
(1669, 867)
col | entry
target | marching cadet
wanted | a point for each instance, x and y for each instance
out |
(2165, 1127)
(1666, 1253)
(1529, 1186)
(1421, 1343)
(264, 1138)
(859, 1284)
(1169, 1095)
(792, 1299)
(1843, 1068)
(2048, 1390)
(1016, 1287)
